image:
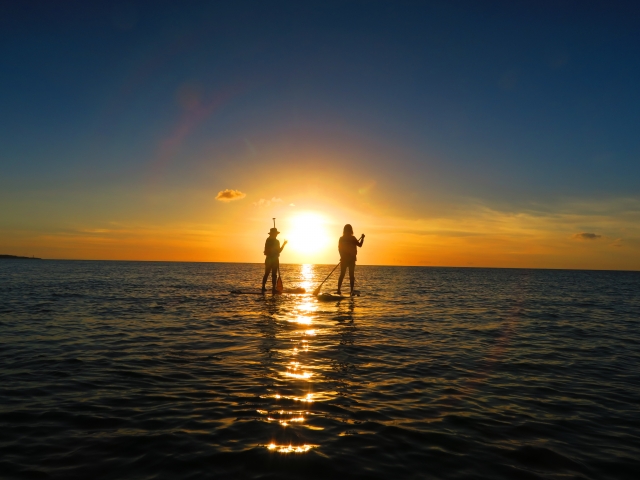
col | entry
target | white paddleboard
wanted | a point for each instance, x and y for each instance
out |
(335, 296)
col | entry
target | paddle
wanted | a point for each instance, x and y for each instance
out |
(317, 290)
(279, 285)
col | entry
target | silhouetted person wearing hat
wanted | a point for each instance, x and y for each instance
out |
(272, 250)
(348, 248)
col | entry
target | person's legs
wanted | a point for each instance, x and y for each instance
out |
(343, 270)
(274, 274)
(267, 269)
(352, 277)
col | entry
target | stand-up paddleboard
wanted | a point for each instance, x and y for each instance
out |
(336, 296)
(297, 291)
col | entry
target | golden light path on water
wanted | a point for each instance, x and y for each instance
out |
(304, 318)
(296, 371)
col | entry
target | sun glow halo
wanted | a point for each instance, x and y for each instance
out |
(307, 233)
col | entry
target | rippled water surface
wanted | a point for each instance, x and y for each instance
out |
(114, 370)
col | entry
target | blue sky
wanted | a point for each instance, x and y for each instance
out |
(510, 106)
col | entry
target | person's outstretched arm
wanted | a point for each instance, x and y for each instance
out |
(282, 247)
(361, 242)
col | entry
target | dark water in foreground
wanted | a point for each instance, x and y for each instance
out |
(114, 370)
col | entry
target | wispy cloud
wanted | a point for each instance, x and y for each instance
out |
(229, 195)
(267, 203)
(586, 236)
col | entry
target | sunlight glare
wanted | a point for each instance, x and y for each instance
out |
(308, 233)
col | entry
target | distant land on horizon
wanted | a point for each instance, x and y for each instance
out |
(10, 257)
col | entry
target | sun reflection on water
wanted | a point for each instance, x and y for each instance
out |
(308, 305)
(306, 272)
(295, 370)
(291, 448)
(309, 398)
(297, 320)
(302, 376)
(301, 319)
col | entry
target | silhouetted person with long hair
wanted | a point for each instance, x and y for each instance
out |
(348, 248)
(272, 250)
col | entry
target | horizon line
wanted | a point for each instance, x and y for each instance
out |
(330, 264)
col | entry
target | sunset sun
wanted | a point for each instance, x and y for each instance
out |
(307, 234)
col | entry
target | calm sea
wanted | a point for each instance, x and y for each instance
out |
(132, 370)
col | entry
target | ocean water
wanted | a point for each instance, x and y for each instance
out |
(133, 370)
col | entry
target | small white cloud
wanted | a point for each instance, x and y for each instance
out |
(230, 195)
(292, 205)
(267, 203)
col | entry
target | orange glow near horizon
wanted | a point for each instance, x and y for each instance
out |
(148, 227)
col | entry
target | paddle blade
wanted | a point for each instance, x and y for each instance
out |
(279, 286)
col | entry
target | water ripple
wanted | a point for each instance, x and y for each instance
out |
(152, 370)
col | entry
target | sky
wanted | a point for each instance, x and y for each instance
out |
(451, 133)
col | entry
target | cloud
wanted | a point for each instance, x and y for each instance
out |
(586, 236)
(267, 203)
(230, 195)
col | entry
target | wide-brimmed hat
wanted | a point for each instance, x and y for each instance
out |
(273, 230)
